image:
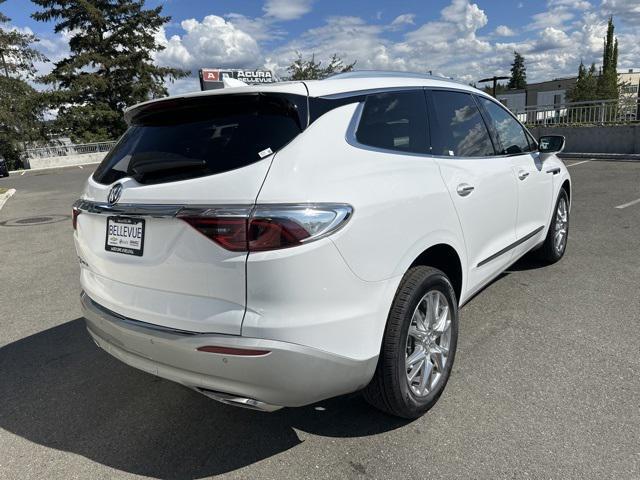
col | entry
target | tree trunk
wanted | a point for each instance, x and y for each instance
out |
(4, 64)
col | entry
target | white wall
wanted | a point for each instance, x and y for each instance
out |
(513, 101)
(67, 160)
(546, 98)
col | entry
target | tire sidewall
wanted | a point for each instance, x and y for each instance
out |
(437, 281)
(558, 256)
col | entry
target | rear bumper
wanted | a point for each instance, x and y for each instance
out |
(290, 375)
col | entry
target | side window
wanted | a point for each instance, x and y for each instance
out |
(395, 121)
(459, 129)
(511, 135)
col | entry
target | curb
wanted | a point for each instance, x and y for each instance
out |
(6, 196)
(52, 168)
(613, 157)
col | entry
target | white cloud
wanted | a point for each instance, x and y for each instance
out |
(555, 17)
(212, 42)
(551, 38)
(572, 4)
(627, 10)
(262, 29)
(467, 16)
(403, 20)
(287, 9)
(504, 31)
(454, 43)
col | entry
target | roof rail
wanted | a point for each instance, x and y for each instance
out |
(386, 73)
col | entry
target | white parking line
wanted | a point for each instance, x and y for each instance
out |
(625, 205)
(23, 172)
(80, 167)
(578, 163)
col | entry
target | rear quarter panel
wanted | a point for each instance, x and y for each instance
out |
(401, 205)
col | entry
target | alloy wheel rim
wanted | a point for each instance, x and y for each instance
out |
(562, 223)
(428, 342)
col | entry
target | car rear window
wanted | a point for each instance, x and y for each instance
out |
(395, 121)
(188, 138)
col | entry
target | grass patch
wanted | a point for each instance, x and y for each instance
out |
(3, 190)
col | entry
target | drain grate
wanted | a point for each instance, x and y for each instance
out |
(30, 221)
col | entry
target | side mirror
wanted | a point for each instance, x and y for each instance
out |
(551, 144)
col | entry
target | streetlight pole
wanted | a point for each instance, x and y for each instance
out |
(493, 79)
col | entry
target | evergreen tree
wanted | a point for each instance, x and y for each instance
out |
(110, 66)
(586, 87)
(608, 79)
(303, 69)
(21, 110)
(591, 84)
(518, 78)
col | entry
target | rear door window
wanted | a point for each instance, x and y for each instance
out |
(188, 138)
(395, 121)
(510, 134)
(457, 127)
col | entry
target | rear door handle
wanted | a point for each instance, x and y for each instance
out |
(522, 174)
(554, 171)
(464, 189)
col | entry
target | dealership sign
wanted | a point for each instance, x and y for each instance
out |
(212, 78)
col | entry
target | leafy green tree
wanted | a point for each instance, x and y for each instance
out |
(21, 110)
(518, 78)
(110, 66)
(608, 87)
(586, 87)
(309, 69)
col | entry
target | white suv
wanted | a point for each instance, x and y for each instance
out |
(278, 245)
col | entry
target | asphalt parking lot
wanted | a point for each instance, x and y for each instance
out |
(545, 384)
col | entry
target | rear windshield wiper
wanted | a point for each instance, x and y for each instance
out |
(153, 163)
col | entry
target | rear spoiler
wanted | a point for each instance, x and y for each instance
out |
(295, 104)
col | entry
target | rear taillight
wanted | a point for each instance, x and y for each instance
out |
(267, 227)
(229, 233)
(74, 217)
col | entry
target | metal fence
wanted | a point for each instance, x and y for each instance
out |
(596, 112)
(65, 150)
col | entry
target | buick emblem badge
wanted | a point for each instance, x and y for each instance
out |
(114, 194)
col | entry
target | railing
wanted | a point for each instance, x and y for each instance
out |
(595, 112)
(65, 150)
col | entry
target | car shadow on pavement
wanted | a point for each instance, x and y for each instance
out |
(61, 391)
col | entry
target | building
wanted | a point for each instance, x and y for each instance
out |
(551, 92)
(630, 80)
(554, 92)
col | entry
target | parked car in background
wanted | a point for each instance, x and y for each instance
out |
(280, 244)
(4, 168)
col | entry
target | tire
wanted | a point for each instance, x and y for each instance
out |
(391, 389)
(551, 252)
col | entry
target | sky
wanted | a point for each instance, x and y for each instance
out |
(463, 39)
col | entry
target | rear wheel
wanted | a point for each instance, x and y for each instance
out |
(555, 244)
(418, 347)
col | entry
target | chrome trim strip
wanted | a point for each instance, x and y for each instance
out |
(157, 210)
(510, 247)
(343, 212)
(238, 401)
(134, 210)
(369, 91)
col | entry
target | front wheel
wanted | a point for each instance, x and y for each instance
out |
(555, 244)
(418, 347)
